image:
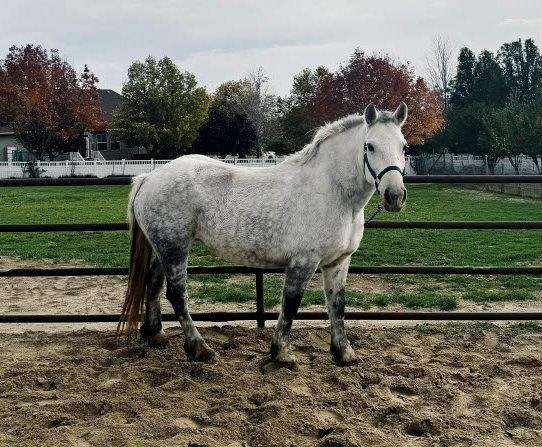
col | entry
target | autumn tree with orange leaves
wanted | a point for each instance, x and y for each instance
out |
(46, 103)
(363, 80)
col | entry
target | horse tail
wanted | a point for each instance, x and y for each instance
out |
(140, 260)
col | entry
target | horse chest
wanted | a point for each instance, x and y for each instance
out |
(343, 241)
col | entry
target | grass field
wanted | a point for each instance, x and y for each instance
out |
(379, 246)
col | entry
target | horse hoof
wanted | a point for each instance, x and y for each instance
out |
(279, 357)
(285, 357)
(199, 351)
(347, 361)
(158, 341)
(345, 357)
(269, 363)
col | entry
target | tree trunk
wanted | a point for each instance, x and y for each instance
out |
(515, 162)
(491, 162)
(537, 163)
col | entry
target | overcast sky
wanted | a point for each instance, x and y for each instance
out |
(222, 40)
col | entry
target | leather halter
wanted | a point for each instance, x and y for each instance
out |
(378, 177)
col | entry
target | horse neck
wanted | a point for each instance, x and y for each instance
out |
(342, 160)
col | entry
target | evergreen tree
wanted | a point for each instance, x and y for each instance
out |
(489, 83)
(522, 66)
(463, 84)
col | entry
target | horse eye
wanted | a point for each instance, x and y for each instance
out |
(370, 147)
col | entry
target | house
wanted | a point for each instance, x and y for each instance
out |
(98, 145)
(10, 148)
(102, 144)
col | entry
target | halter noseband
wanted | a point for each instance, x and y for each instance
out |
(378, 177)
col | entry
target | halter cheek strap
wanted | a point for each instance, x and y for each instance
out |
(378, 177)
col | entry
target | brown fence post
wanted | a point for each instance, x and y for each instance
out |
(260, 317)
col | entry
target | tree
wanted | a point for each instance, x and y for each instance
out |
(521, 123)
(226, 134)
(228, 129)
(468, 131)
(231, 97)
(500, 127)
(297, 124)
(378, 80)
(250, 97)
(533, 132)
(48, 106)
(261, 108)
(440, 68)
(522, 66)
(497, 105)
(163, 108)
(463, 83)
(489, 84)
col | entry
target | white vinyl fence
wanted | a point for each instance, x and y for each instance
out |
(448, 164)
(470, 164)
(106, 168)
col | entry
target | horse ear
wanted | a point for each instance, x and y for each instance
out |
(401, 114)
(370, 114)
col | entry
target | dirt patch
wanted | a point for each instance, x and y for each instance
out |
(442, 386)
(74, 295)
(361, 283)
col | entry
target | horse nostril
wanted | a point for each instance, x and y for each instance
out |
(387, 195)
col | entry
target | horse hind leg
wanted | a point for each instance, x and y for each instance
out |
(195, 347)
(151, 330)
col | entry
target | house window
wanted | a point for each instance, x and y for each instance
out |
(115, 145)
(101, 141)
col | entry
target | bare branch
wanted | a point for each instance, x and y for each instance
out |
(441, 66)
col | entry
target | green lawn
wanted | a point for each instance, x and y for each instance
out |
(379, 246)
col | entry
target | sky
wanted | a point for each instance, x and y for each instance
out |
(224, 40)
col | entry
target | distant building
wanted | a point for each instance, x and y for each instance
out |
(99, 145)
(10, 148)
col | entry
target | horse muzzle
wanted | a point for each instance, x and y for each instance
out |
(394, 199)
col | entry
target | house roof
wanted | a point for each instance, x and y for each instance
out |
(110, 100)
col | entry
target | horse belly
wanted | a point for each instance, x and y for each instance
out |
(242, 241)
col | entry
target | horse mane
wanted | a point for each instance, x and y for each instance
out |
(328, 130)
(325, 132)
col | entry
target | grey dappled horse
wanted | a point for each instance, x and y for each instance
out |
(302, 214)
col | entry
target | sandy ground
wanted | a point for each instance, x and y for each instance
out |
(458, 385)
(441, 386)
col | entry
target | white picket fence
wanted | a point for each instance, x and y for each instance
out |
(105, 168)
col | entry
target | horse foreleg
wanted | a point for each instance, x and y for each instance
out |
(151, 330)
(296, 278)
(334, 283)
(195, 347)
